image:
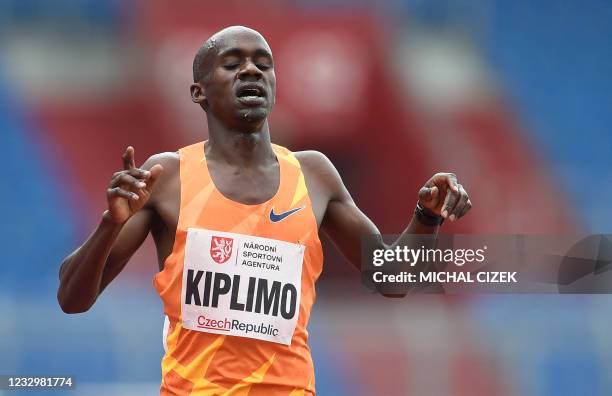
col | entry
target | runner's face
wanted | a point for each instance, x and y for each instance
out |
(242, 84)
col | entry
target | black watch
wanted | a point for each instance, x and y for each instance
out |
(426, 217)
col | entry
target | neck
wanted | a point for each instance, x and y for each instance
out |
(243, 148)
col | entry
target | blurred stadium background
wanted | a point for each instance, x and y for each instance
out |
(514, 97)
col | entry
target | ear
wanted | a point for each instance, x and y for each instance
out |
(198, 94)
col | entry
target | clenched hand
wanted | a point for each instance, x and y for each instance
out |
(444, 196)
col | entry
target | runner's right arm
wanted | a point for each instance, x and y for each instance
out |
(124, 226)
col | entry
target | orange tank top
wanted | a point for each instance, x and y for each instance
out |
(239, 286)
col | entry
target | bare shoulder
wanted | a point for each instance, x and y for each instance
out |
(169, 160)
(169, 178)
(320, 170)
(314, 161)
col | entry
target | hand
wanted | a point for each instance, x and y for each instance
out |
(444, 196)
(130, 189)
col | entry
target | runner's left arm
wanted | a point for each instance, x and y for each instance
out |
(345, 224)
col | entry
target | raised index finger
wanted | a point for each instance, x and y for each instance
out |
(128, 158)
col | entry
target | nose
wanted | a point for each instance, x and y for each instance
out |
(249, 69)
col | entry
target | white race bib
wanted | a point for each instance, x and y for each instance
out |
(241, 285)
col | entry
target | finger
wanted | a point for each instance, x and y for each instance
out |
(452, 197)
(450, 179)
(138, 173)
(155, 173)
(454, 214)
(119, 192)
(466, 208)
(427, 194)
(128, 158)
(124, 179)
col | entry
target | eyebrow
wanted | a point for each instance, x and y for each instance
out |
(239, 51)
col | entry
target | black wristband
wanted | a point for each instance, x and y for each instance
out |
(427, 218)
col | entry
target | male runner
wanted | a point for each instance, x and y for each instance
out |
(235, 221)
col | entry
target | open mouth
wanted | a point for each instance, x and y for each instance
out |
(250, 92)
(251, 95)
